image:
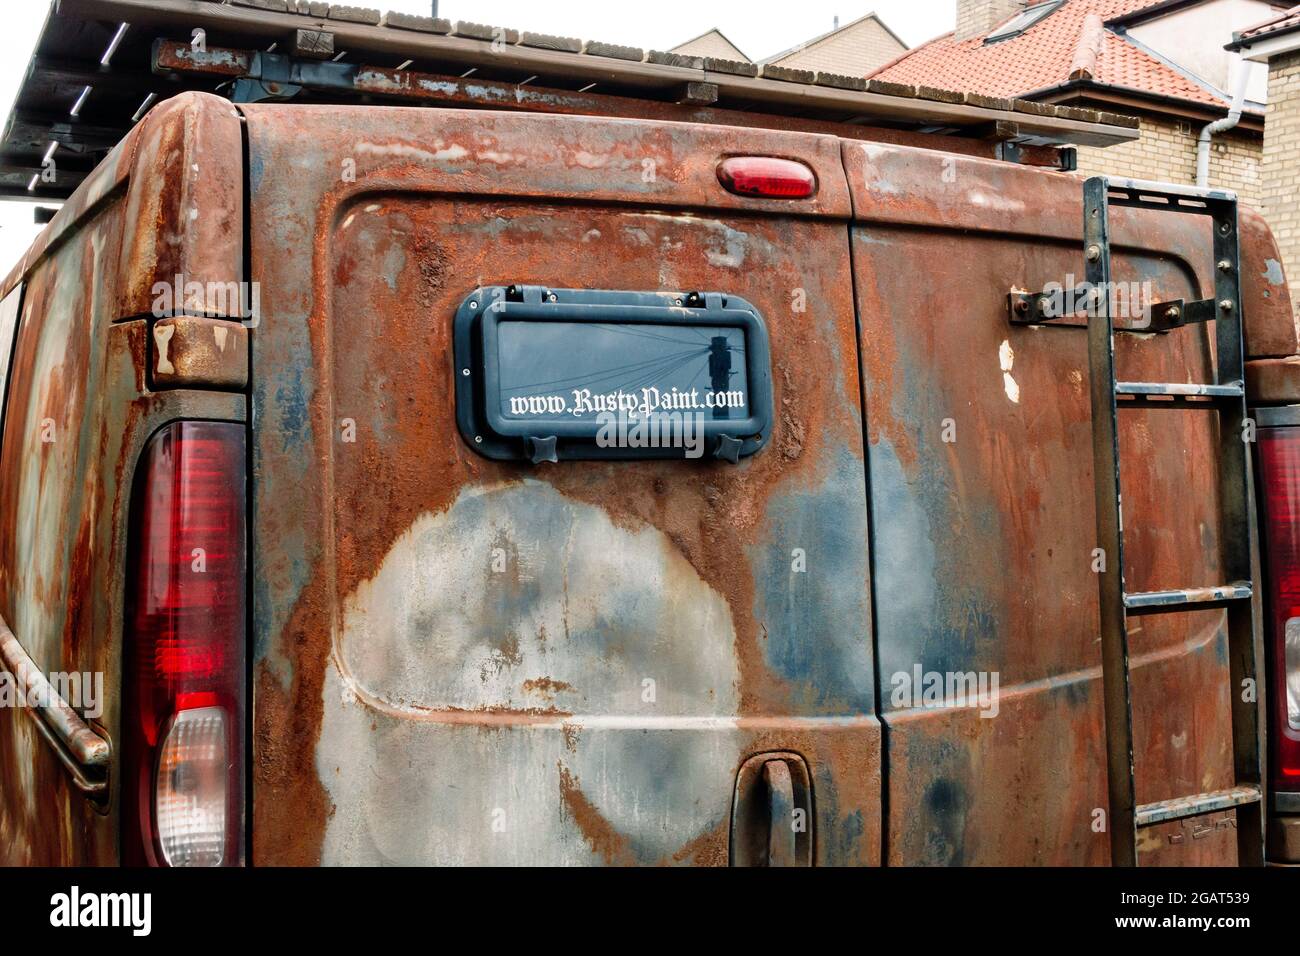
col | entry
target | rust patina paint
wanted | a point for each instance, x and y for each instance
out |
(61, 571)
(994, 531)
(391, 255)
(442, 201)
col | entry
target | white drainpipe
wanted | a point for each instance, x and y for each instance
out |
(1219, 126)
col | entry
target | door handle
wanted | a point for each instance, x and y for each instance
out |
(771, 819)
(780, 813)
(83, 753)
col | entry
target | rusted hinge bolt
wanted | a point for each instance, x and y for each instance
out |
(1022, 306)
(1094, 252)
(1225, 305)
(1225, 265)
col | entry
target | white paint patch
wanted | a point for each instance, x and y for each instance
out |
(1006, 359)
(497, 158)
(1006, 355)
(462, 701)
(162, 337)
(219, 334)
(439, 154)
(994, 202)
(730, 245)
(373, 207)
(590, 160)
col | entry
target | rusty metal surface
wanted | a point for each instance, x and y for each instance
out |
(983, 544)
(1273, 381)
(200, 353)
(1284, 839)
(80, 409)
(408, 698)
(1270, 322)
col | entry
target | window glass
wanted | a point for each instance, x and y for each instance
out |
(1022, 21)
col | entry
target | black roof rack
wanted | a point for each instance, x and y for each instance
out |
(100, 64)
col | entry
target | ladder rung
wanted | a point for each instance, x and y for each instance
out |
(1231, 390)
(1169, 190)
(1180, 808)
(1180, 598)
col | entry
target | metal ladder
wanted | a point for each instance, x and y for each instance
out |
(1226, 396)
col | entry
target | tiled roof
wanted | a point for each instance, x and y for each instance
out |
(1288, 20)
(1069, 43)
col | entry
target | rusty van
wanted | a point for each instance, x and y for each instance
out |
(513, 474)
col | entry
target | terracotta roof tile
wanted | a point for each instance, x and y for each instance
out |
(1045, 56)
(1284, 21)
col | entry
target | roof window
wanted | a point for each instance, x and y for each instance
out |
(1023, 20)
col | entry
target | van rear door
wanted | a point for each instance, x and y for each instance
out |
(467, 660)
(980, 454)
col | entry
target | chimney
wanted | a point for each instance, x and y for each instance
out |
(977, 17)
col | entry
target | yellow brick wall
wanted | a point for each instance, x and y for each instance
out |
(711, 45)
(854, 51)
(1165, 150)
(1281, 167)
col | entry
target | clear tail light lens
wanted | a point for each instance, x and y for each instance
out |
(190, 793)
(183, 717)
(1279, 458)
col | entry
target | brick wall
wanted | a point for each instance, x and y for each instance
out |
(1281, 167)
(711, 45)
(1165, 150)
(855, 50)
(977, 17)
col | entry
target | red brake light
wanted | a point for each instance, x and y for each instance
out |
(767, 176)
(1279, 457)
(183, 719)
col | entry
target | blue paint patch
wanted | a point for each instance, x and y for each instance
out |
(931, 608)
(818, 621)
(945, 805)
(256, 170)
(1273, 272)
(291, 403)
(1221, 647)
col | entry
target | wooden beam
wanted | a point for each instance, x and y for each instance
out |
(14, 180)
(31, 133)
(47, 77)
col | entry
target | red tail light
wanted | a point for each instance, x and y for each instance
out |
(1279, 456)
(183, 720)
(767, 176)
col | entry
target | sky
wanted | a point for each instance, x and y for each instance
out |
(759, 27)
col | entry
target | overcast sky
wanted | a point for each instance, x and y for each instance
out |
(758, 27)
